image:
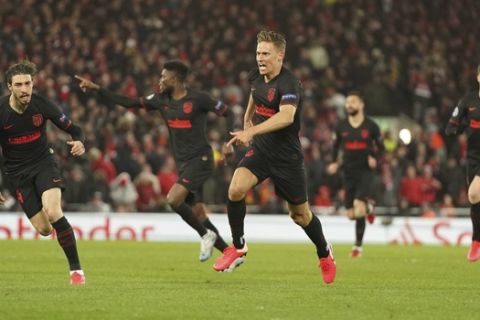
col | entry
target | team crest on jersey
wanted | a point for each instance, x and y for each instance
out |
(364, 133)
(271, 94)
(37, 120)
(187, 107)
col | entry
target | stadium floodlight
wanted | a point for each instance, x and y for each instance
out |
(405, 136)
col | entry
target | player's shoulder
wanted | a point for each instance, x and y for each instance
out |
(470, 96)
(194, 93)
(370, 121)
(287, 75)
(4, 101)
(343, 123)
(253, 75)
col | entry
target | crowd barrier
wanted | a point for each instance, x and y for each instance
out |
(258, 228)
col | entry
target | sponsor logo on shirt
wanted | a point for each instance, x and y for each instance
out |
(265, 111)
(179, 123)
(25, 139)
(355, 145)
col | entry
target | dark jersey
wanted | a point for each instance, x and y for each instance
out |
(281, 145)
(358, 143)
(466, 117)
(23, 136)
(186, 120)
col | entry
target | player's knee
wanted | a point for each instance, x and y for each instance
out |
(350, 214)
(235, 193)
(173, 202)
(359, 209)
(302, 219)
(44, 230)
(53, 212)
(473, 196)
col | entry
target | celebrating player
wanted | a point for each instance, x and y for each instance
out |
(272, 123)
(466, 117)
(185, 112)
(359, 138)
(31, 170)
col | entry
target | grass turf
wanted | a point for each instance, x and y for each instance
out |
(134, 280)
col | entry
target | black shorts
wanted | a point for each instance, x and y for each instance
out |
(358, 185)
(192, 175)
(290, 180)
(473, 169)
(29, 189)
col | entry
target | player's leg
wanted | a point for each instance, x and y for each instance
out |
(176, 199)
(474, 199)
(51, 201)
(303, 216)
(291, 184)
(200, 210)
(242, 181)
(48, 185)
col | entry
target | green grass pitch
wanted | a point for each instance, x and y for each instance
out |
(135, 280)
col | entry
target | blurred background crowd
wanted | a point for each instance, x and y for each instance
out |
(412, 59)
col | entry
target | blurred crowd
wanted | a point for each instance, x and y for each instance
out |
(413, 58)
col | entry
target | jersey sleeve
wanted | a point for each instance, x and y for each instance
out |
(458, 120)
(207, 103)
(61, 120)
(289, 90)
(336, 144)
(378, 146)
(151, 101)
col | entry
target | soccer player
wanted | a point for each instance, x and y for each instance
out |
(272, 123)
(32, 173)
(185, 112)
(466, 117)
(360, 139)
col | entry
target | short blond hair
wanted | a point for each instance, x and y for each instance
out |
(276, 38)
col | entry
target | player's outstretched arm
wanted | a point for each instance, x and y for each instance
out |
(2, 199)
(86, 84)
(124, 101)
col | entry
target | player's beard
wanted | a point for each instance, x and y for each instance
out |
(22, 100)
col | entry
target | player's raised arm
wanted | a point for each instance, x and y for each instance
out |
(108, 95)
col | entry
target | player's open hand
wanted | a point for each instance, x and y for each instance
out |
(2, 199)
(86, 84)
(77, 148)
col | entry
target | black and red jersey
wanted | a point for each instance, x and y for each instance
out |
(466, 117)
(281, 145)
(358, 143)
(186, 118)
(23, 136)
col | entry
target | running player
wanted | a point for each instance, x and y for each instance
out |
(360, 139)
(466, 117)
(185, 112)
(33, 174)
(272, 123)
